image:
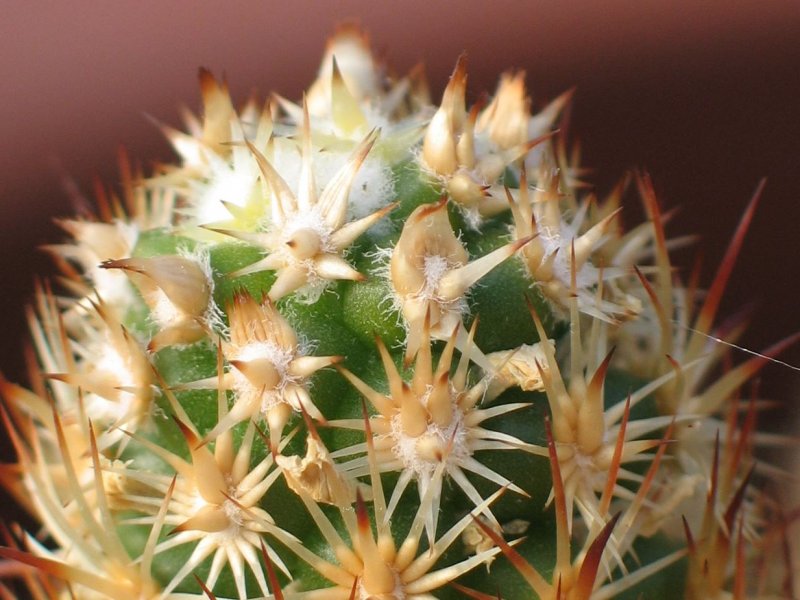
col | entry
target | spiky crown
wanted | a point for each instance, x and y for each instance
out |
(540, 375)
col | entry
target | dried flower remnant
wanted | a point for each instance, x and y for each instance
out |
(430, 272)
(178, 291)
(469, 152)
(521, 367)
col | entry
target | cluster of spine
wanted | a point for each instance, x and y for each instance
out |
(362, 346)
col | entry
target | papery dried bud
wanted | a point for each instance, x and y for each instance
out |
(443, 134)
(506, 119)
(178, 291)
(520, 367)
(430, 273)
(316, 475)
(476, 540)
(179, 280)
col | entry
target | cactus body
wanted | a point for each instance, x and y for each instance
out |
(364, 346)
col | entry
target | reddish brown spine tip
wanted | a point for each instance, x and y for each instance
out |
(361, 513)
(470, 593)
(591, 562)
(209, 594)
(192, 440)
(433, 207)
(689, 537)
(273, 579)
(460, 70)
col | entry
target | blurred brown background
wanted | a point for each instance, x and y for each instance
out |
(704, 95)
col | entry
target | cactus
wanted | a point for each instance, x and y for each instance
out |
(363, 346)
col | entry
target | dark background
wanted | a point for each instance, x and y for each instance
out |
(704, 95)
